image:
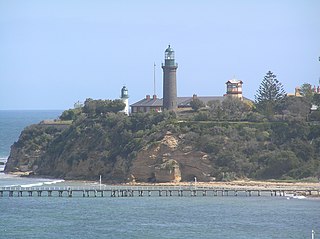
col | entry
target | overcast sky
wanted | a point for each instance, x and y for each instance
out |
(56, 52)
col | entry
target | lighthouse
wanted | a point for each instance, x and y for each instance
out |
(169, 80)
(125, 99)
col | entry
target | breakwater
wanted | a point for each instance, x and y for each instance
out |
(159, 191)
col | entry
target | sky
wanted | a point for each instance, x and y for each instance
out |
(54, 53)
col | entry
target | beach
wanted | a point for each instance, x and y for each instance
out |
(239, 184)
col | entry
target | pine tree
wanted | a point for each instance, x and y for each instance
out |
(269, 95)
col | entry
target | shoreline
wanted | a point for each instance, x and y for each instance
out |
(250, 184)
(295, 188)
(236, 184)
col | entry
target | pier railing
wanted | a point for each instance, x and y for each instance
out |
(131, 191)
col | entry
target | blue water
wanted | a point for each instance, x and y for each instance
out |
(155, 217)
(143, 217)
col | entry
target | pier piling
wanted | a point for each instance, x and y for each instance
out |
(123, 191)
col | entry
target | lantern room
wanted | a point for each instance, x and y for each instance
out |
(169, 57)
(124, 92)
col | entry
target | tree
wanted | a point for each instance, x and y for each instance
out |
(269, 95)
(216, 110)
(70, 114)
(306, 91)
(98, 107)
(89, 107)
(196, 104)
(316, 99)
(234, 108)
(116, 105)
(275, 164)
(296, 107)
(315, 115)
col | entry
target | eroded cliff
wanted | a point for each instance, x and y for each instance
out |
(159, 148)
(170, 160)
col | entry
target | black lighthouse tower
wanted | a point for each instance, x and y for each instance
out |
(169, 80)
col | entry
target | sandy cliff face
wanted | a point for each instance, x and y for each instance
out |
(168, 161)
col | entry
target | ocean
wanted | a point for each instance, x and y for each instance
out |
(239, 217)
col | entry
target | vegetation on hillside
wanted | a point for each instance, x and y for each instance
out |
(272, 138)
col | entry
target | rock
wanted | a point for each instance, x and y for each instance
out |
(166, 162)
(75, 157)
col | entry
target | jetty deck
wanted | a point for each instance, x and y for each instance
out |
(152, 191)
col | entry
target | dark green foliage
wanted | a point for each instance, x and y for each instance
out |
(316, 99)
(216, 109)
(196, 104)
(276, 164)
(231, 109)
(105, 137)
(235, 109)
(307, 92)
(294, 108)
(98, 107)
(202, 116)
(36, 137)
(70, 114)
(315, 115)
(269, 95)
(234, 148)
(257, 150)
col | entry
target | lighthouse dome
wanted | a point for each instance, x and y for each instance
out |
(124, 92)
(169, 49)
(169, 55)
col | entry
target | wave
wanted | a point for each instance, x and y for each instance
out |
(54, 182)
(31, 185)
(3, 161)
(39, 184)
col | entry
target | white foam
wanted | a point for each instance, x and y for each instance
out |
(294, 196)
(31, 185)
(39, 184)
(54, 182)
(3, 161)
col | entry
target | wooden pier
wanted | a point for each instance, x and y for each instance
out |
(148, 191)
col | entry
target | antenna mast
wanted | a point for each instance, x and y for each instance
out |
(154, 78)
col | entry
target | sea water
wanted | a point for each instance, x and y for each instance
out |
(158, 217)
(239, 217)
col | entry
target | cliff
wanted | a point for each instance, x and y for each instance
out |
(161, 161)
(159, 148)
(31, 146)
(170, 160)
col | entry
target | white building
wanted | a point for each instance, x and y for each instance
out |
(125, 99)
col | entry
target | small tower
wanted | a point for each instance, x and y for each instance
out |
(169, 80)
(124, 97)
(234, 88)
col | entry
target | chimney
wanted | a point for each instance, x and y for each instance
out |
(154, 97)
(148, 97)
